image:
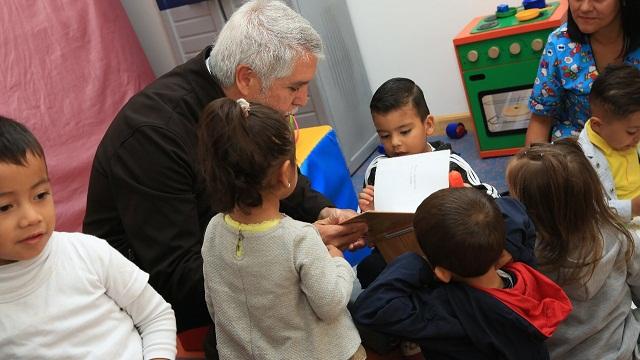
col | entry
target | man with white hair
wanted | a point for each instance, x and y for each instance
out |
(146, 195)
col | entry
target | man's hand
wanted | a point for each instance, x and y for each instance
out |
(365, 199)
(349, 236)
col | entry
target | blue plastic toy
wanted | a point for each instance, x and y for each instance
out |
(533, 4)
(456, 130)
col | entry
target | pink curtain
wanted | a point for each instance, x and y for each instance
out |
(68, 66)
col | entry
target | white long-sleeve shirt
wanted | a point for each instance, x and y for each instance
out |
(81, 299)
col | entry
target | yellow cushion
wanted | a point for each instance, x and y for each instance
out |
(308, 138)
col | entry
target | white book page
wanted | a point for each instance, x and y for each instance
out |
(402, 183)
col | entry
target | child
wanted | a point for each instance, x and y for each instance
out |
(66, 295)
(610, 137)
(403, 122)
(272, 288)
(584, 247)
(457, 303)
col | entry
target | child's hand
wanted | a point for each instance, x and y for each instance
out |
(635, 206)
(365, 199)
(334, 251)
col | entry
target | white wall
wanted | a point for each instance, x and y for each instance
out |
(155, 41)
(409, 38)
(414, 39)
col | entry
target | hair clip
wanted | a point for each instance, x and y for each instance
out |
(244, 104)
(294, 126)
(533, 155)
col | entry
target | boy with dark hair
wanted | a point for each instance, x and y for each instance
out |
(461, 301)
(403, 122)
(610, 137)
(465, 242)
(394, 93)
(66, 295)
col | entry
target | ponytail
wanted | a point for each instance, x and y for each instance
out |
(239, 146)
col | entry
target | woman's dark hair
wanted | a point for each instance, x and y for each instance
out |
(617, 90)
(16, 142)
(461, 230)
(567, 203)
(396, 93)
(238, 152)
(629, 13)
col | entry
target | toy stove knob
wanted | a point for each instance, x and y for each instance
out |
(514, 48)
(472, 56)
(502, 8)
(493, 52)
(537, 44)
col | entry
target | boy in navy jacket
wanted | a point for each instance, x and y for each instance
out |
(465, 299)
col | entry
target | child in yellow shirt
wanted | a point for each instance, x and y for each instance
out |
(610, 137)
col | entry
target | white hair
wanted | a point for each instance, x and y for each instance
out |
(268, 36)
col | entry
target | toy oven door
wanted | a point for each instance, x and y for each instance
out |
(498, 98)
(505, 111)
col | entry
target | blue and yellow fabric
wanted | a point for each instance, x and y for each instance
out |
(319, 157)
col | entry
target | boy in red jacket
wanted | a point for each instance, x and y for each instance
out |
(462, 301)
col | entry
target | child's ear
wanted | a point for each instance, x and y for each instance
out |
(505, 258)
(247, 82)
(285, 174)
(443, 274)
(596, 123)
(429, 125)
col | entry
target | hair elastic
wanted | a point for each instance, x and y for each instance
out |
(244, 104)
(294, 126)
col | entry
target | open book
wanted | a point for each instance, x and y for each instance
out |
(402, 183)
(391, 232)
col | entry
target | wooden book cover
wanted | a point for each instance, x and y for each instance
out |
(401, 185)
(391, 232)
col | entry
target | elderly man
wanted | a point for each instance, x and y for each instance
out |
(146, 196)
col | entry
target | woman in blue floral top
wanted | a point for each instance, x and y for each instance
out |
(597, 33)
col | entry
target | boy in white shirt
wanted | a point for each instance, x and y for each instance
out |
(66, 295)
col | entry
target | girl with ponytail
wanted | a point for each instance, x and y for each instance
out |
(273, 289)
